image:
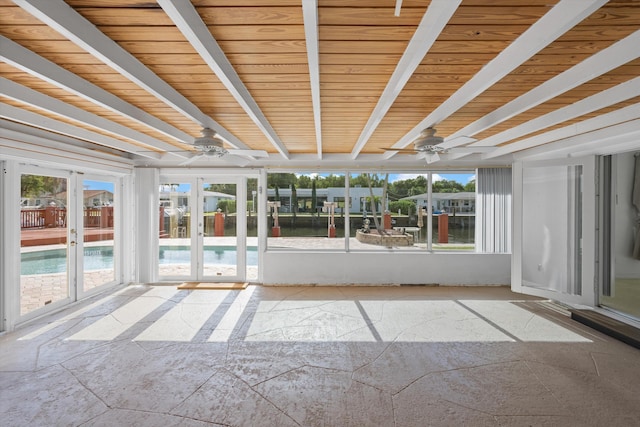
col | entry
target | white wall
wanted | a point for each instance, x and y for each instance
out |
(147, 183)
(375, 268)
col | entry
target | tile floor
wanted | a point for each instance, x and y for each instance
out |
(316, 356)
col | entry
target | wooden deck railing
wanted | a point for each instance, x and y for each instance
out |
(55, 217)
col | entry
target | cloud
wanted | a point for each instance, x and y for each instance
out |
(311, 175)
(403, 176)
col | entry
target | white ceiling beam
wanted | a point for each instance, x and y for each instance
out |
(47, 103)
(434, 20)
(65, 20)
(612, 118)
(185, 16)
(9, 112)
(616, 138)
(606, 98)
(561, 18)
(20, 141)
(596, 65)
(396, 12)
(37, 66)
(310, 16)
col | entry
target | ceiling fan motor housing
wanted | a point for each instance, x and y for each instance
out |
(428, 141)
(209, 144)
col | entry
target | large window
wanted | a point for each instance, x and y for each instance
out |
(306, 210)
(371, 211)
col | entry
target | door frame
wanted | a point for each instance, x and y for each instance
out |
(72, 247)
(241, 226)
(195, 177)
(588, 212)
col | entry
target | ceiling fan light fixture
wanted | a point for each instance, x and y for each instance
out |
(210, 144)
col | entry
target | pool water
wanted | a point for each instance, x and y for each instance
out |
(221, 255)
(101, 258)
(55, 260)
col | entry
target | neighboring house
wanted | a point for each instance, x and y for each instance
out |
(358, 196)
(180, 199)
(97, 198)
(463, 202)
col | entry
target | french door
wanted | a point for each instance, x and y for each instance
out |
(202, 232)
(67, 237)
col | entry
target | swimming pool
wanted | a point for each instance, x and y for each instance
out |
(55, 260)
(101, 258)
(223, 255)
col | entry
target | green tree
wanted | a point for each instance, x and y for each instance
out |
(405, 206)
(304, 181)
(314, 197)
(331, 180)
(294, 200)
(447, 186)
(37, 185)
(227, 206)
(281, 180)
(471, 186)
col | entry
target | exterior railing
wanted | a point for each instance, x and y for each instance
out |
(55, 217)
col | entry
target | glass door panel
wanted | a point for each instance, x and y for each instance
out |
(252, 229)
(553, 223)
(219, 237)
(175, 248)
(46, 258)
(620, 230)
(551, 239)
(98, 233)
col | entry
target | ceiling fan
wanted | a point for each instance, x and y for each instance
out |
(210, 145)
(427, 146)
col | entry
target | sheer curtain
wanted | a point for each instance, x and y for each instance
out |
(493, 210)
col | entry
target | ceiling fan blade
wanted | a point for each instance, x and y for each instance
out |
(401, 150)
(235, 160)
(249, 153)
(471, 149)
(191, 159)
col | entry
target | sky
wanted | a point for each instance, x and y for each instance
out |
(97, 185)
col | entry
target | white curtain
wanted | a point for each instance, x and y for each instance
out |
(635, 200)
(493, 210)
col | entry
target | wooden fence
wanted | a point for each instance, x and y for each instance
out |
(55, 217)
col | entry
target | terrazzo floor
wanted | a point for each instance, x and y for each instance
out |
(315, 356)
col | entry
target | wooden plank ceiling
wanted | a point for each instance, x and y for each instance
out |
(142, 77)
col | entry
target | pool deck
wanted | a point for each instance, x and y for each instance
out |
(52, 236)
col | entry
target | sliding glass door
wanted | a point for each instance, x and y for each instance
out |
(99, 221)
(619, 254)
(553, 229)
